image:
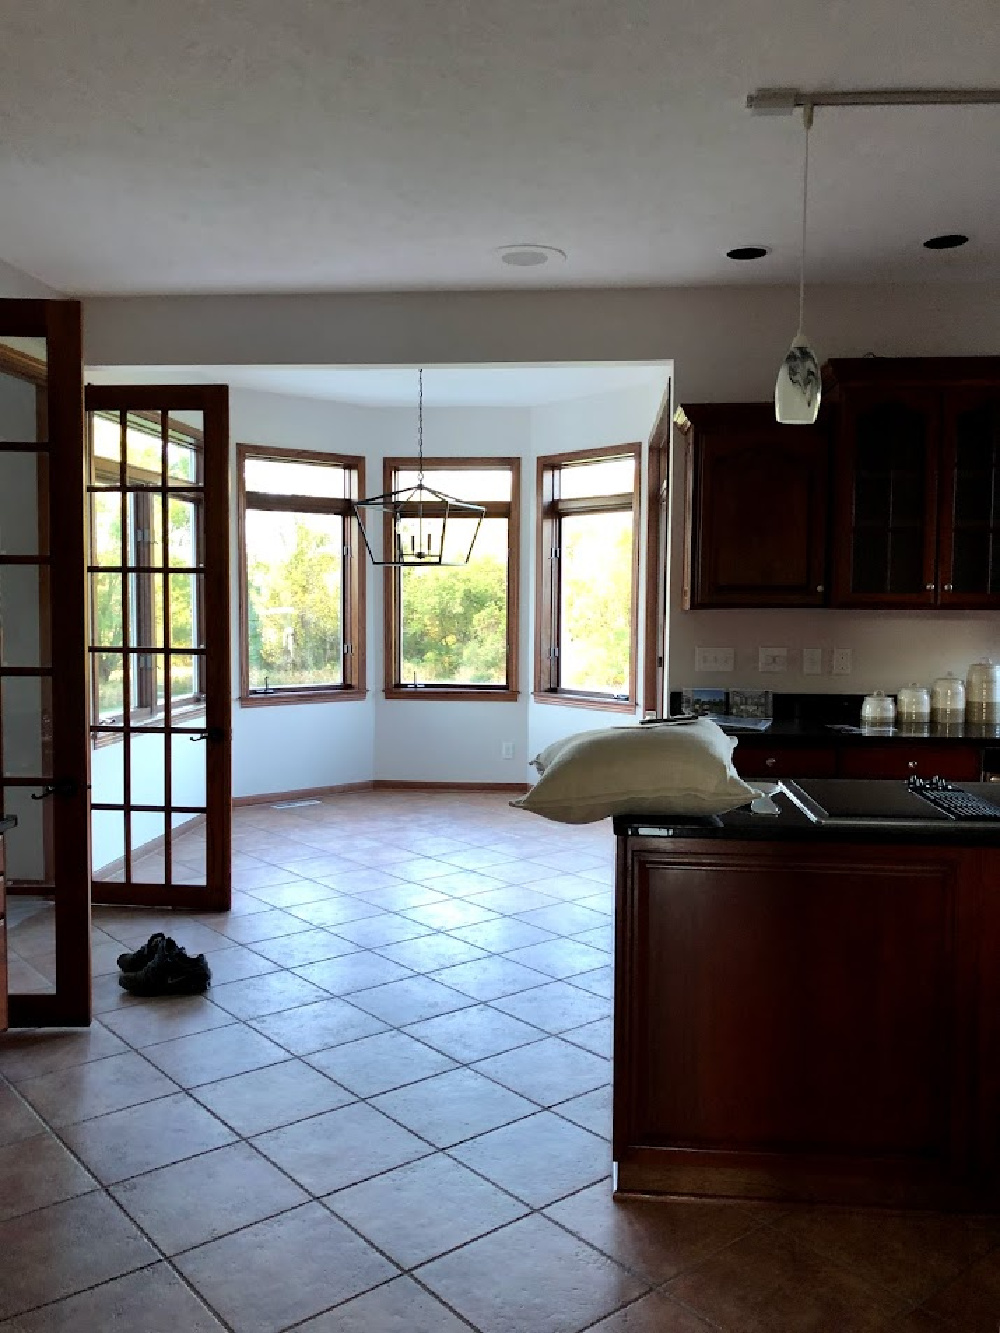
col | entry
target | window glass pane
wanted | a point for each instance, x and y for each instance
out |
(270, 476)
(183, 537)
(107, 844)
(106, 528)
(109, 670)
(24, 500)
(596, 603)
(453, 627)
(578, 481)
(26, 726)
(475, 484)
(184, 452)
(294, 610)
(144, 449)
(24, 616)
(185, 621)
(106, 433)
(107, 628)
(23, 375)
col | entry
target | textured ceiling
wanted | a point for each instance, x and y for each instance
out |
(244, 145)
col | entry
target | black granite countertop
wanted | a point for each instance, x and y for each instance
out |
(792, 824)
(7, 823)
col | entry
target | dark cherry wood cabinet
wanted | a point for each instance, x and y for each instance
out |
(916, 495)
(756, 757)
(756, 509)
(3, 940)
(808, 1020)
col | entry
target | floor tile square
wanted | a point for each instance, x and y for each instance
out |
(269, 925)
(568, 888)
(600, 981)
(304, 891)
(530, 1275)
(490, 978)
(147, 1022)
(539, 1159)
(31, 1052)
(198, 1200)
(767, 1280)
(355, 971)
(591, 1111)
(601, 937)
(452, 1107)
(37, 1172)
(423, 1209)
(206, 1057)
(333, 912)
(555, 1006)
(309, 946)
(380, 1063)
(474, 1034)
(395, 1307)
(402, 896)
(236, 962)
(559, 958)
(564, 918)
(268, 994)
(430, 953)
(655, 1239)
(141, 1138)
(409, 1001)
(422, 869)
(153, 1300)
(597, 1037)
(451, 914)
(57, 1251)
(654, 1313)
(314, 1027)
(969, 1303)
(503, 934)
(466, 883)
(549, 1071)
(513, 898)
(302, 1263)
(340, 1148)
(389, 928)
(93, 1089)
(17, 1120)
(267, 1098)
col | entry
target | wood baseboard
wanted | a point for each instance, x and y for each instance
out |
(104, 873)
(391, 784)
(301, 794)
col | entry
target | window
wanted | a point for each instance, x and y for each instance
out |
(145, 578)
(451, 631)
(302, 580)
(587, 578)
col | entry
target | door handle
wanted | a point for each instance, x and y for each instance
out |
(60, 787)
(213, 734)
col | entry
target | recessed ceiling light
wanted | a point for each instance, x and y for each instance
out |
(951, 240)
(748, 252)
(529, 256)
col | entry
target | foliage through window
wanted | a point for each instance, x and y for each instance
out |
(146, 540)
(587, 570)
(451, 629)
(302, 582)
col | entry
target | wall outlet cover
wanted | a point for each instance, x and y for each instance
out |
(506, 749)
(772, 659)
(840, 662)
(714, 659)
(812, 661)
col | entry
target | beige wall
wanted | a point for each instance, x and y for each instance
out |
(725, 344)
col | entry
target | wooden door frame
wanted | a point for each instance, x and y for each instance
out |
(213, 401)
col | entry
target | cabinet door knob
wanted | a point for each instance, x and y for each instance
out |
(820, 587)
(770, 763)
(911, 763)
(947, 587)
(928, 587)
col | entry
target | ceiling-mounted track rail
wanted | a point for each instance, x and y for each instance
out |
(784, 101)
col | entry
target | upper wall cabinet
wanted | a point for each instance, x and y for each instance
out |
(756, 509)
(916, 449)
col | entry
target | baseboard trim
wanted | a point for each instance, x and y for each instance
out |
(146, 849)
(378, 784)
(391, 784)
(301, 793)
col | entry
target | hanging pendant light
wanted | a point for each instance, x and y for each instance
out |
(798, 388)
(418, 517)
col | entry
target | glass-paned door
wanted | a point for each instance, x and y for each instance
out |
(45, 929)
(970, 512)
(158, 580)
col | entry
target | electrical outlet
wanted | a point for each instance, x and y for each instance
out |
(772, 659)
(840, 662)
(506, 749)
(714, 659)
(812, 661)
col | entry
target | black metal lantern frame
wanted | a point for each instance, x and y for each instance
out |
(418, 514)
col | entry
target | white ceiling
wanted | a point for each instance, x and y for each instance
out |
(396, 386)
(243, 145)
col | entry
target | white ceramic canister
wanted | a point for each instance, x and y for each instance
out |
(982, 693)
(878, 712)
(913, 706)
(948, 701)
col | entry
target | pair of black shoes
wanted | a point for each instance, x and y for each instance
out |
(162, 967)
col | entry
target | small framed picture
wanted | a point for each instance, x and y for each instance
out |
(704, 703)
(750, 703)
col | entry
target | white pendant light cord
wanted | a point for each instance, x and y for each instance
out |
(420, 429)
(807, 120)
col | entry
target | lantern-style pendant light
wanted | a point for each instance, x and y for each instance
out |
(418, 517)
(798, 389)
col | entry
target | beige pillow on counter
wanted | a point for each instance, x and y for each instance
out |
(685, 770)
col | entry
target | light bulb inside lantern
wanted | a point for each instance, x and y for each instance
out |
(798, 388)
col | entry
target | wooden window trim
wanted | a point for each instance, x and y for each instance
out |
(352, 582)
(511, 510)
(654, 690)
(550, 509)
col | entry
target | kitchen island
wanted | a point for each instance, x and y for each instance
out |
(808, 1007)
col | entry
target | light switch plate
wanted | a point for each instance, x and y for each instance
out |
(714, 659)
(840, 662)
(812, 661)
(772, 659)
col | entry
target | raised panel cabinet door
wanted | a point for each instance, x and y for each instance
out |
(875, 759)
(755, 760)
(969, 533)
(758, 509)
(885, 518)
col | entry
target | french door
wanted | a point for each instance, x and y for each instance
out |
(158, 647)
(43, 700)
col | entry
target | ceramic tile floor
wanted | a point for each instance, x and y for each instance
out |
(392, 1113)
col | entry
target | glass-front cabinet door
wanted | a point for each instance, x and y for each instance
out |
(886, 528)
(969, 546)
(43, 701)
